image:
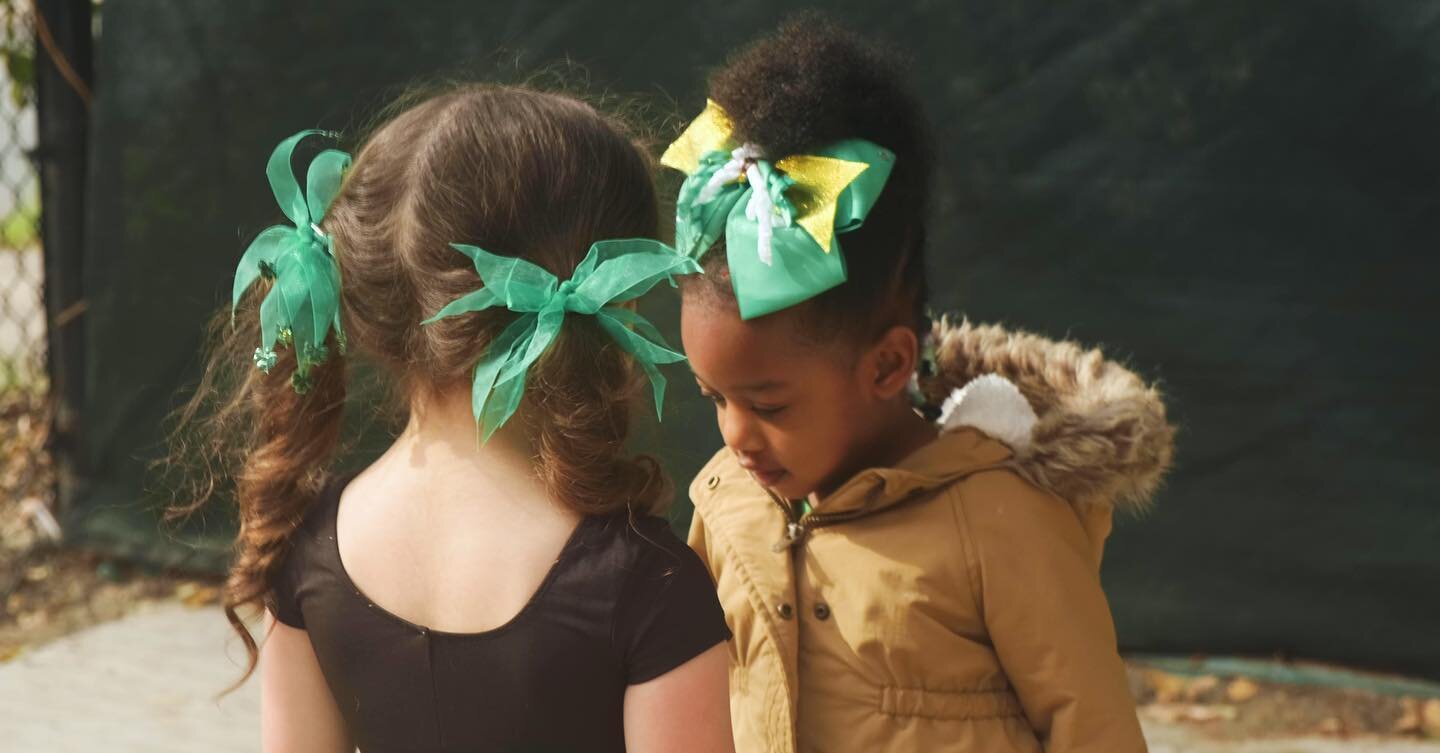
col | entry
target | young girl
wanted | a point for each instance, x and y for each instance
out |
(500, 587)
(892, 584)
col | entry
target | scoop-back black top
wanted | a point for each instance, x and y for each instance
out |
(623, 604)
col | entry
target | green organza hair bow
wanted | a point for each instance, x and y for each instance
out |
(780, 217)
(304, 302)
(614, 272)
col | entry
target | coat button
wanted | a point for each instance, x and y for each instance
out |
(786, 611)
(822, 611)
(712, 482)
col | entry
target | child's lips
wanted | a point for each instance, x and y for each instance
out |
(766, 476)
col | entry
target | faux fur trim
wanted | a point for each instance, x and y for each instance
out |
(1101, 436)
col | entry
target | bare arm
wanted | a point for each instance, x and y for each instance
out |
(685, 709)
(297, 712)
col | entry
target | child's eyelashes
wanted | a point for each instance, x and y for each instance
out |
(763, 411)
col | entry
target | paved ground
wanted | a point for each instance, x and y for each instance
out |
(148, 682)
(1180, 739)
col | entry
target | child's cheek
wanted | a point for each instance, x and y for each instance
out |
(812, 452)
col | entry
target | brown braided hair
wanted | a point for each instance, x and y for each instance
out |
(516, 171)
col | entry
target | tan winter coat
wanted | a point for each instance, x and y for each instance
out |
(951, 603)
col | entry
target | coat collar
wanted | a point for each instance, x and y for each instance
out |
(950, 456)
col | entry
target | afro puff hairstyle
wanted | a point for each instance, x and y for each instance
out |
(811, 83)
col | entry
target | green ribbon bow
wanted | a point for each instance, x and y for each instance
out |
(304, 302)
(613, 272)
(782, 248)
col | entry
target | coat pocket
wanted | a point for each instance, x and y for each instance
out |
(949, 704)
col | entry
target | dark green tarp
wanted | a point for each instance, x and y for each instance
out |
(1241, 199)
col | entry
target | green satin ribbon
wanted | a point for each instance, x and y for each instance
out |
(613, 272)
(811, 199)
(304, 302)
(800, 267)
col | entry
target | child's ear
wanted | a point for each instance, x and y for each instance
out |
(893, 359)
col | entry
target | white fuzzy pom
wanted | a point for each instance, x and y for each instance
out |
(994, 405)
(762, 212)
(740, 158)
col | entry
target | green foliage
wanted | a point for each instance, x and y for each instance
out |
(17, 51)
(20, 229)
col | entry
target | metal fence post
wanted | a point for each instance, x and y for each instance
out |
(63, 117)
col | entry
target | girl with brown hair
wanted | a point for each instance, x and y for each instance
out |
(499, 587)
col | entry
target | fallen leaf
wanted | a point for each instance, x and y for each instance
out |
(1198, 713)
(1168, 687)
(1409, 722)
(1201, 686)
(1170, 713)
(201, 596)
(40, 516)
(8, 652)
(1241, 690)
(1331, 726)
(1165, 713)
(1430, 717)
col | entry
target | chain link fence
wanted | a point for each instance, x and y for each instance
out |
(26, 470)
(22, 310)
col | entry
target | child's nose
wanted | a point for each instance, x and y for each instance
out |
(739, 431)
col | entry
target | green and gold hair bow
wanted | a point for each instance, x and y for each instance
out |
(780, 218)
(614, 272)
(304, 302)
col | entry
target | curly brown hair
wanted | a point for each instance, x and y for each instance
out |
(810, 83)
(513, 170)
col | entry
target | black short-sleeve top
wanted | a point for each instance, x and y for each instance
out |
(624, 603)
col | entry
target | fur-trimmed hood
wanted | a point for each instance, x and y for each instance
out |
(1085, 428)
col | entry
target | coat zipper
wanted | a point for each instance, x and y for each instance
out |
(797, 527)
